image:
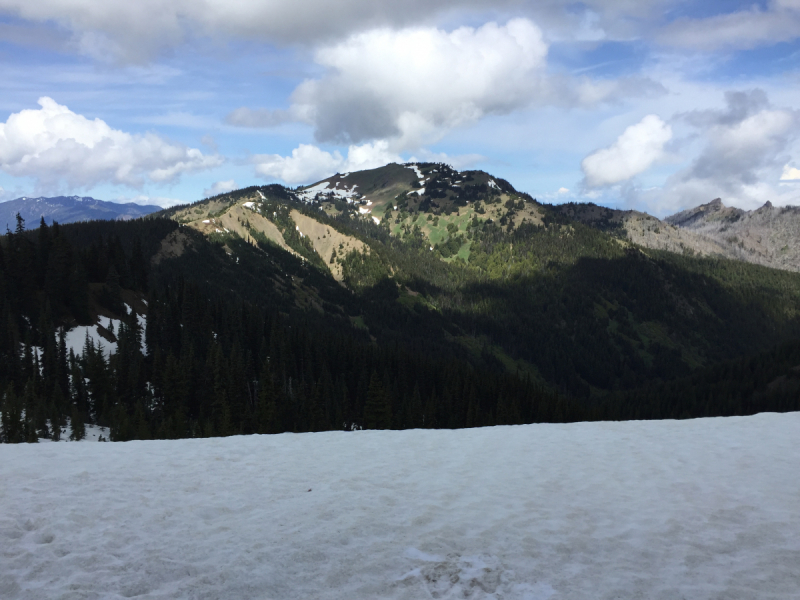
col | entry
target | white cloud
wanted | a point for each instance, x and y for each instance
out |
(137, 31)
(309, 163)
(739, 151)
(151, 201)
(220, 187)
(409, 85)
(790, 174)
(634, 152)
(457, 161)
(55, 145)
(743, 159)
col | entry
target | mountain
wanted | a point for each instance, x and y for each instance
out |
(767, 236)
(68, 209)
(406, 296)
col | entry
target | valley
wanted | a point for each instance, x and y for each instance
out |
(405, 296)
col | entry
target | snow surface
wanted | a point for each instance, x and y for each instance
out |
(416, 170)
(249, 205)
(696, 509)
(75, 338)
(93, 433)
(322, 188)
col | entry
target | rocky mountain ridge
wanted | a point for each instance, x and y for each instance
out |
(768, 236)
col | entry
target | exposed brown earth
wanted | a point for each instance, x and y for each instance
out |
(327, 240)
(172, 246)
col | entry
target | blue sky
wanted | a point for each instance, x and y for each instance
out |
(656, 105)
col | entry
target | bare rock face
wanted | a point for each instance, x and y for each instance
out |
(768, 236)
(714, 211)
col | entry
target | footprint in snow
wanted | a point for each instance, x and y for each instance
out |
(476, 577)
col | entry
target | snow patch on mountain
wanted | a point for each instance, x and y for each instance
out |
(323, 189)
(416, 170)
(75, 338)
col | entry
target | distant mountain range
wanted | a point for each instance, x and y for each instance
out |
(68, 209)
(767, 236)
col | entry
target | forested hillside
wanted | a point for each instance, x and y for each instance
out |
(269, 310)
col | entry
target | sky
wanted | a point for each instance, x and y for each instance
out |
(654, 105)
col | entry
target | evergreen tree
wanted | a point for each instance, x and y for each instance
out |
(12, 418)
(377, 410)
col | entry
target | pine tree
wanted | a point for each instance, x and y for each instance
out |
(56, 412)
(416, 415)
(377, 410)
(77, 425)
(11, 417)
(429, 420)
(267, 411)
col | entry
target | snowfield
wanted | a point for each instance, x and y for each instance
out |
(700, 509)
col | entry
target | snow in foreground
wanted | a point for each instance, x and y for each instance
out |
(708, 508)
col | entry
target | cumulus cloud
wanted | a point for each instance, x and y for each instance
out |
(52, 144)
(738, 151)
(411, 86)
(412, 83)
(309, 163)
(744, 158)
(137, 31)
(220, 187)
(790, 174)
(634, 152)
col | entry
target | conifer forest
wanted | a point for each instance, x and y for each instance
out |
(548, 322)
